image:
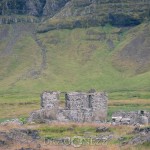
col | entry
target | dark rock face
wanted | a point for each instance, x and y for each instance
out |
(81, 13)
(123, 20)
(52, 6)
(35, 8)
(16, 6)
(31, 7)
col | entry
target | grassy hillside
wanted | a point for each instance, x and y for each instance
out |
(76, 59)
(70, 60)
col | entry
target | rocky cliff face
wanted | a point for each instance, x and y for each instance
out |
(31, 7)
(80, 13)
(13, 11)
(84, 13)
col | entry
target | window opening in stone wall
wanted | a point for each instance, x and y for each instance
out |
(90, 101)
(62, 99)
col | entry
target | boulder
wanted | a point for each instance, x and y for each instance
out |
(102, 129)
(144, 120)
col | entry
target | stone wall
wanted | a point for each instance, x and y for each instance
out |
(76, 100)
(79, 107)
(50, 100)
(86, 107)
(83, 107)
(98, 103)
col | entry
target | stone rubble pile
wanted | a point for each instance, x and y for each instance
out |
(131, 118)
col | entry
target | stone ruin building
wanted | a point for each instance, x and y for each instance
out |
(79, 107)
(83, 107)
(131, 118)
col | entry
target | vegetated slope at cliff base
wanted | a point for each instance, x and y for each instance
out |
(105, 58)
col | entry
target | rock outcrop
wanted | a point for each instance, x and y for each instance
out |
(31, 7)
(19, 137)
(83, 13)
(15, 19)
(79, 13)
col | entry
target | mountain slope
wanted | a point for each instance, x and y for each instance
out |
(76, 59)
(135, 55)
(74, 45)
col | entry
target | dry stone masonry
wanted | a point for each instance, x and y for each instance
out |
(86, 107)
(50, 100)
(83, 107)
(79, 107)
